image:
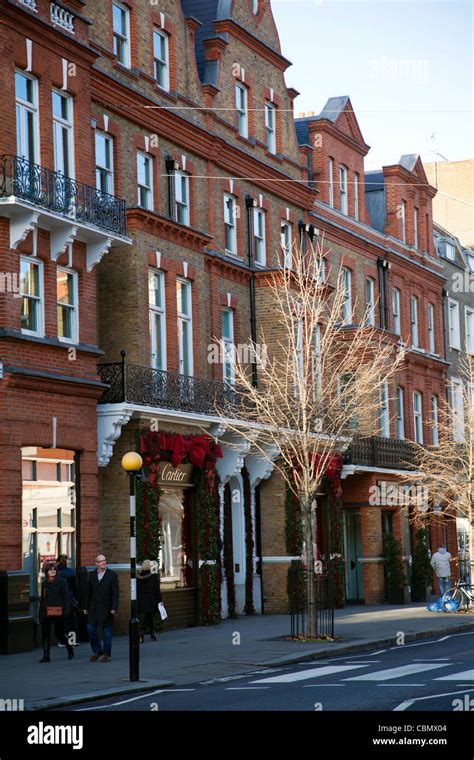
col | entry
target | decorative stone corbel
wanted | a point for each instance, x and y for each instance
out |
(109, 428)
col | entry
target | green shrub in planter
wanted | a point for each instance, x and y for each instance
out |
(421, 568)
(394, 570)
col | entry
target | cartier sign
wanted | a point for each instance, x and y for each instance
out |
(182, 475)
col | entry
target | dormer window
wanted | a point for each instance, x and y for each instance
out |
(450, 251)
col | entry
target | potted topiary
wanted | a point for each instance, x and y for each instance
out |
(422, 574)
(394, 571)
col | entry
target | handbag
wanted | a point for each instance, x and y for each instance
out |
(54, 611)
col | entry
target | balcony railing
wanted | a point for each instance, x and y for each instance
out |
(146, 386)
(381, 452)
(62, 195)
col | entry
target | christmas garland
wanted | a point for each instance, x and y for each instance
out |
(202, 452)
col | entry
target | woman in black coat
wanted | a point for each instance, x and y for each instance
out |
(148, 598)
(54, 593)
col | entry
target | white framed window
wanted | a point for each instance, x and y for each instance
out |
(457, 406)
(145, 181)
(414, 321)
(286, 244)
(270, 127)
(67, 305)
(345, 384)
(32, 296)
(298, 358)
(255, 6)
(396, 311)
(434, 421)
(418, 416)
(230, 224)
(404, 221)
(121, 29)
(157, 307)
(415, 227)
(63, 133)
(469, 317)
(400, 414)
(470, 261)
(370, 301)
(241, 104)
(450, 251)
(356, 196)
(228, 348)
(181, 200)
(259, 236)
(331, 182)
(384, 412)
(431, 329)
(27, 118)
(346, 284)
(185, 327)
(316, 363)
(161, 63)
(104, 163)
(344, 206)
(453, 322)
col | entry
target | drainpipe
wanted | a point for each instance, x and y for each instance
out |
(249, 205)
(444, 295)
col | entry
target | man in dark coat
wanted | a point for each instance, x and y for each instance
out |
(102, 605)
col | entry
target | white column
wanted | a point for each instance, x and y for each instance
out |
(221, 512)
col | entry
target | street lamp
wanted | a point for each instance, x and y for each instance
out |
(132, 463)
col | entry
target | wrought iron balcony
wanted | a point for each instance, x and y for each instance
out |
(61, 195)
(381, 452)
(146, 386)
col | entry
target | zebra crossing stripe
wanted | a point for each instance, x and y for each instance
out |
(303, 675)
(403, 670)
(463, 675)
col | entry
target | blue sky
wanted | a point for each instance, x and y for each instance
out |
(407, 67)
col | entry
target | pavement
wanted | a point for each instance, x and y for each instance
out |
(205, 653)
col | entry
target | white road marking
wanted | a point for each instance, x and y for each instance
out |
(367, 662)
(467, 675)
(401, 684)
(327, 670)
(403, 670)
(431, 659)
(319, 685)
(245, 688)
(409, 702)
(133, 699)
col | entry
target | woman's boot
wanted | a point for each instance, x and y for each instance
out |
(70, 651)
(46, 648)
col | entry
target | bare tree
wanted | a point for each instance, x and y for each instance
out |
(321, 382)
(444, 472)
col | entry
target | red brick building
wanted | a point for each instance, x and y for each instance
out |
(181, 109)
(378, 227)
(54, 229)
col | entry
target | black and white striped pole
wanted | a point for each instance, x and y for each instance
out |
(132, 463)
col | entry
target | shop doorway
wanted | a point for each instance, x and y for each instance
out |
(353, 552)
(48, 511)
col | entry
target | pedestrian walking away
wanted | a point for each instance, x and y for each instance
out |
(148, 599)
(441, 564)
(54, 609)
(102, 605)
(70, 624)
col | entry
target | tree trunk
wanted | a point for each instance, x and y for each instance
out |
(311, 628)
